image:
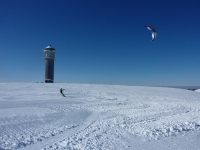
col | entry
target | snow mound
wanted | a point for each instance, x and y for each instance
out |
(198, 90)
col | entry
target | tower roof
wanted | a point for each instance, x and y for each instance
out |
(49, 48)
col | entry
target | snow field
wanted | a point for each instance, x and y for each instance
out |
(36, 116)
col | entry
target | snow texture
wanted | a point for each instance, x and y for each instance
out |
(198, 90)
(35, 116)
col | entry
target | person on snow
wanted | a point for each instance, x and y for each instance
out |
(61, 90)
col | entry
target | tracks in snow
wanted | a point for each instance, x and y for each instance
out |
(112, 127)
(93, 118)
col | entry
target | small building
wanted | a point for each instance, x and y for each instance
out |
(49, 57)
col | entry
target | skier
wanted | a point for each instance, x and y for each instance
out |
(61, 92)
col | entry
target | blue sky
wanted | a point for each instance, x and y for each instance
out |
(101, 41)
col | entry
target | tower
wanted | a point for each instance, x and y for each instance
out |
(49, 64)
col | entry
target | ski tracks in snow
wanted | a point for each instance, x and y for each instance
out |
(95, 117)
(109, 129)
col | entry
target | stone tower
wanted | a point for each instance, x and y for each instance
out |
(49, 57)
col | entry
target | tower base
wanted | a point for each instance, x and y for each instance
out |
(48, 81)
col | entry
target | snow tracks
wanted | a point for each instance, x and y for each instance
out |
(95, 116)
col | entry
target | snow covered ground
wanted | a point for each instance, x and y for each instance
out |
(35, 116)
(198, 90)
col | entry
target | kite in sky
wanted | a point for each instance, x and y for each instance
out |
(153, 31)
